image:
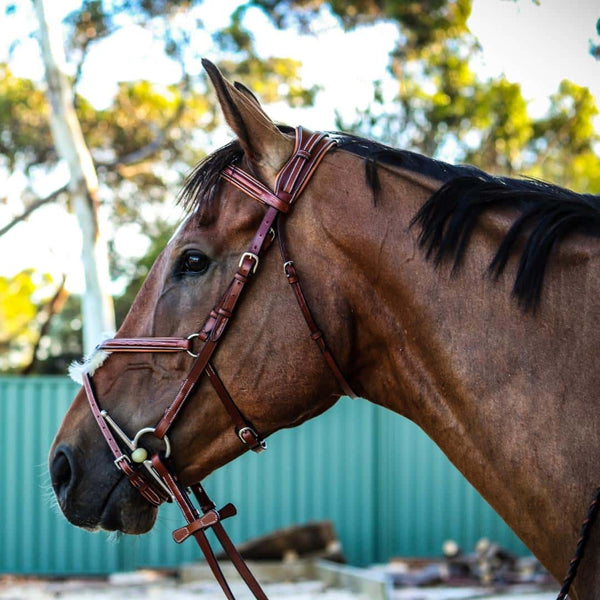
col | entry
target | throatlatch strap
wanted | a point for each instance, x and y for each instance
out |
(315, 333)
(243, 428)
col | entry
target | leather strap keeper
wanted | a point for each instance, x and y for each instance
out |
(209, 519)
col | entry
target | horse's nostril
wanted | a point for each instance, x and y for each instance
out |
(61, 472)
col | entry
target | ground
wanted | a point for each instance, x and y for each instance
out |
(152, 585)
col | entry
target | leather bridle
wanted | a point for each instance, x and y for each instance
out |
(154, 477)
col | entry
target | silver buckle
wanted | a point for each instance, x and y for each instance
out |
(262, 443)
(118, 460)
(191, 337)
(286, 264)
(254, 257)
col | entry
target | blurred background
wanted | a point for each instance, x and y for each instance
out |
(88, 198)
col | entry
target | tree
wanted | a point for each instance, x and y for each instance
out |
(138, 146)
(421, 23)
(565, 141)
(28, 302)
(441, 107)
(148, 136)
(98, 311)
(594, 46)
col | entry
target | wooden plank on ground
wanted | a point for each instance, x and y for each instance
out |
(374, 585)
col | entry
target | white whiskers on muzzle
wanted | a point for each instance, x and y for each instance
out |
(48, 496)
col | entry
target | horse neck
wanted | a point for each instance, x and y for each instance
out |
(487, 382)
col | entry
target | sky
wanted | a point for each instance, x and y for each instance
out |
(534, 44)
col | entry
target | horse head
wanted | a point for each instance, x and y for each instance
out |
(267, 360)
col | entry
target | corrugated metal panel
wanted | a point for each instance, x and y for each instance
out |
(35, 538)
(317, 471)
(424, 500)
(387, 487)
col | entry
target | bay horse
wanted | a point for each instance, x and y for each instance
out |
(466, 302)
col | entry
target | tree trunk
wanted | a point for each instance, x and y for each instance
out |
(97, 305)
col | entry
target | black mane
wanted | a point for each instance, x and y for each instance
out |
(375, 153)
(547, 212)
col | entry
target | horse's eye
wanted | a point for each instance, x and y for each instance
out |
(194, 261)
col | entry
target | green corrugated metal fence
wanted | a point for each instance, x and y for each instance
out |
(387, 488)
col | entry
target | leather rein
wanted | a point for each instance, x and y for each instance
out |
(153, 476)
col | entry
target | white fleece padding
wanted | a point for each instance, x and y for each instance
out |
(90, 364)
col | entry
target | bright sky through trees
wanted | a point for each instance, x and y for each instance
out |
(534, 45)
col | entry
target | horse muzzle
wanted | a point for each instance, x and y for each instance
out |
(93, 497)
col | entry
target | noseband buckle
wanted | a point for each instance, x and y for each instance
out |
(258, 445)
(117, 461)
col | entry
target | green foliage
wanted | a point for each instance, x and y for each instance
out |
(422, 22)
(442, 104)
(63, 343)
(594, 46)
(139, 110)
(64, 337)
(273, 79)
(500, 114)
(21, 299)
(565, 142)
(91, 22)
(24, 131)
(142, 143)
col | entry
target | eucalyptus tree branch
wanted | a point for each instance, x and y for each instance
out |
(52, 308)
(32, 208)
(79, 69)
(70, 144)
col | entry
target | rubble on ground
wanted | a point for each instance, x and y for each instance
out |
(489, 564)
(304, 563)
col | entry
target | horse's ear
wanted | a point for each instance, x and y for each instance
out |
(240, 87)
(262, 142)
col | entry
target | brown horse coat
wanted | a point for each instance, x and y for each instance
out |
(510, 395)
